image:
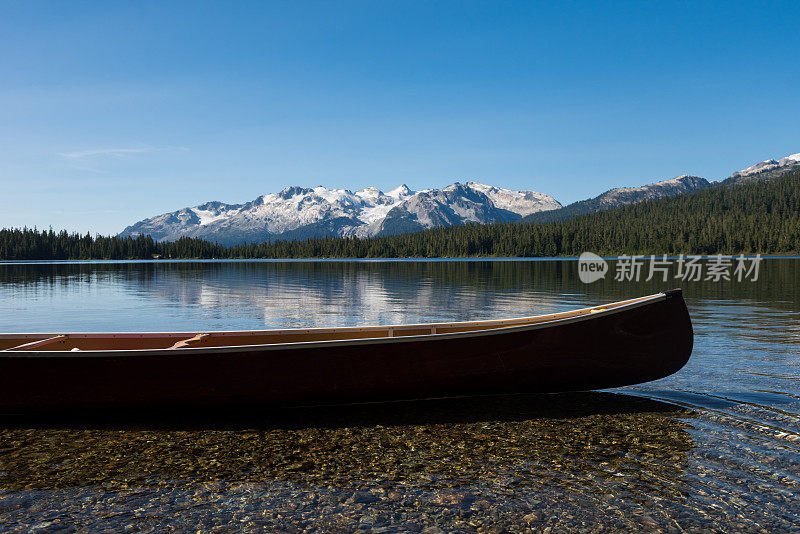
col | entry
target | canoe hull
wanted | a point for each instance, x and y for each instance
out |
(635, 345)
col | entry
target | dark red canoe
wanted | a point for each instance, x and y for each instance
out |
(617, 344)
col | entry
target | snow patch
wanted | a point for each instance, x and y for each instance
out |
(768, 165)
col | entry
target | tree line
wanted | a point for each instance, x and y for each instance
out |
(760, 217)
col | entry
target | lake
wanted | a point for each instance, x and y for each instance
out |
(713, 448)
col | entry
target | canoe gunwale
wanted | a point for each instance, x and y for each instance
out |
(582, 314)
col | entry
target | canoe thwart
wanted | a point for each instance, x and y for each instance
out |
(40, 343)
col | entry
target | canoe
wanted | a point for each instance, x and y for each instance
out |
(622, 343)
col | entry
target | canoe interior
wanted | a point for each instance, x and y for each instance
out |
(55, 342)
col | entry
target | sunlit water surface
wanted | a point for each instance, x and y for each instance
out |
(715, 447)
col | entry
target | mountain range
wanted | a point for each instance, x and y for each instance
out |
(300, 213)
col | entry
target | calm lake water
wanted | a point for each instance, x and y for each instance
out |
(713, 448)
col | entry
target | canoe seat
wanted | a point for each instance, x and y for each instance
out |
(184, 343)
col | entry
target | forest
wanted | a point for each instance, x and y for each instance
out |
(757, 217)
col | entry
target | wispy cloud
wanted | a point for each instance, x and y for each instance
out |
(118, 152)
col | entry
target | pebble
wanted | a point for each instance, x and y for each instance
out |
(574, 463)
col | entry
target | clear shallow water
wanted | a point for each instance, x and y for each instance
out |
(715, 447)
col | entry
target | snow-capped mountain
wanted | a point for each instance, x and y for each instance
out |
(768, 169)
(298, 212)
(522, 202)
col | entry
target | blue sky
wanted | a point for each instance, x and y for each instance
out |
(111, 112)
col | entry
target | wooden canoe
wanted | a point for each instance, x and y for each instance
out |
(606, 346)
